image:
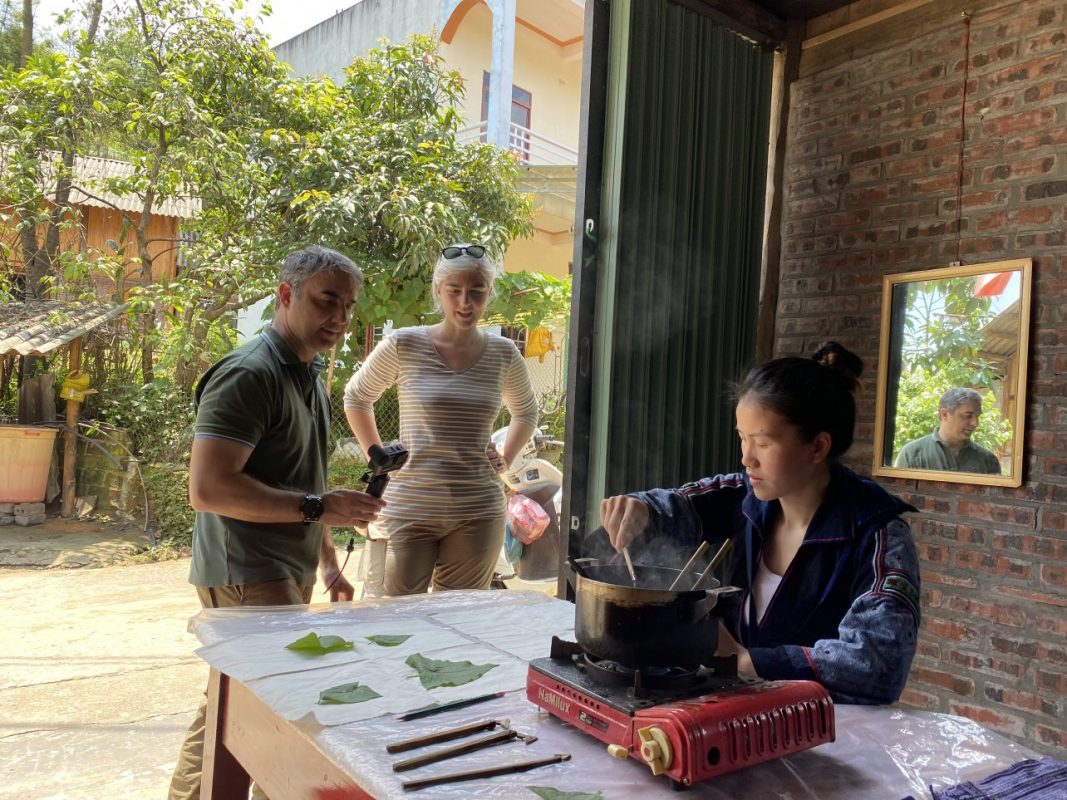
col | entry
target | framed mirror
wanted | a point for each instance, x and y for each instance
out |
(951, 402)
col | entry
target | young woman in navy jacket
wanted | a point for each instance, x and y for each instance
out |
(829, 569)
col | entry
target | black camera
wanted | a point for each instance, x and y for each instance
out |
(381, 461)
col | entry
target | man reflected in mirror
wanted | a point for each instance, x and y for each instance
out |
(950, 447)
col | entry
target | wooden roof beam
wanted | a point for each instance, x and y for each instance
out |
(745, 17)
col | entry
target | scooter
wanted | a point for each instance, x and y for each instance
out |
(540, 480)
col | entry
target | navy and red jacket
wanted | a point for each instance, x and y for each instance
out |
(846, 613)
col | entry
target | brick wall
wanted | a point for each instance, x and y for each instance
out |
(870, 189)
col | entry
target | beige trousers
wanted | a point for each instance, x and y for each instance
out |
(405, 556)
(185, 784)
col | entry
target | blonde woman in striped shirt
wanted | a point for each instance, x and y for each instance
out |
(444, 519)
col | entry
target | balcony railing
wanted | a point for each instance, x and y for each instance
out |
(526, 145)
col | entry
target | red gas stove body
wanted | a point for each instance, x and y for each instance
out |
(719, 725)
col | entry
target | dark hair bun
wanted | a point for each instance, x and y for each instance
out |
(840, 359)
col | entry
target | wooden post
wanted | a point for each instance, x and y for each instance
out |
(70, 436)
(329, 369)
(368, 340)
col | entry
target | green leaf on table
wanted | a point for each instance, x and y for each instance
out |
(347, 693)
(434, 673)
(315, 645)
(548, 793)
(385, 640)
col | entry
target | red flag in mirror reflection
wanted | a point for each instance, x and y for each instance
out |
(991, 284)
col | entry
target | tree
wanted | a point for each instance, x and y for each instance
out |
(941, 350)
(49, 104)
(374, 166)
(371, 167)
(199, 105)
(10, 34)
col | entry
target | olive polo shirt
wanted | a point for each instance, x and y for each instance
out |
(262, 396)
(930, 452)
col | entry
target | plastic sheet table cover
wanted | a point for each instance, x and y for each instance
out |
(881, 753)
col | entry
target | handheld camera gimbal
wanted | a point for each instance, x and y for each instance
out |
(380, 462)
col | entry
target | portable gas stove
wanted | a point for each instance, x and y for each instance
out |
(690, 725)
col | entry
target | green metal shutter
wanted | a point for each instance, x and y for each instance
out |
(689, 240)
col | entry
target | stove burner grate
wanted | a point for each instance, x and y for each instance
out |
(644, 683)
(641, 679)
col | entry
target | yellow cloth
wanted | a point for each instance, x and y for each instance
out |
(539, 343)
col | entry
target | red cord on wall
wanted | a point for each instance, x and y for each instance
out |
(963, 127)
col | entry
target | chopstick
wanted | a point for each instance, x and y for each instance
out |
(692, 559)
(447, 735)
(715, 561)
(500, 737)
(629, 565)
(506, 769)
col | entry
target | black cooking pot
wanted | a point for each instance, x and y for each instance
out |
(643, 625)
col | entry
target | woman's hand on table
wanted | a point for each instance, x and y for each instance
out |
(624, 518)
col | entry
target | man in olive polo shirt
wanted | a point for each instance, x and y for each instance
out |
(257, 474)
(949, 447)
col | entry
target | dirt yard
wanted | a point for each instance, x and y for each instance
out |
(98, 678)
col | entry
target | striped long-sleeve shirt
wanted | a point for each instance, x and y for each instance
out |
(446, 419)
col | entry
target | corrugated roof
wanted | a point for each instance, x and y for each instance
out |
(89, 174)
(90, 171)
(37, 328)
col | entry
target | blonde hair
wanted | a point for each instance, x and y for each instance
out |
(460, 265)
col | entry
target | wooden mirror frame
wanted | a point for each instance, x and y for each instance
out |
(890, 355)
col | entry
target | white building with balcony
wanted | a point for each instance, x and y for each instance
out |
(521, 61)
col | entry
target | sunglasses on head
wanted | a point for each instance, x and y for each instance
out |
(473, 250)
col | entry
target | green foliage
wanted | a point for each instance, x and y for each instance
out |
(10, 33)
(345, 473)
(167, 485)
(942, 350)
(315, 645)
(434, 673)
(943, 324)
(528, 299)
(387, 640)
(549, 793)
(158, 415)
(374, 167)
(347, 693)
(554, 416)
(200, 107)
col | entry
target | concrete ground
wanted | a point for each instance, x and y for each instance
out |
(98, 680)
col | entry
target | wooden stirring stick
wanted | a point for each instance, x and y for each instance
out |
(522, 766)
(629, 565)
(715, 561)
(692, 560)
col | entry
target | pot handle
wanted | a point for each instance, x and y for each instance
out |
(711, 599)
(576, 566)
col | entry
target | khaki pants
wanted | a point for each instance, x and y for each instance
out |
(185, 784)
(404, 556)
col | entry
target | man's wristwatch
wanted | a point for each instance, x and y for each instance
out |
(312, 508)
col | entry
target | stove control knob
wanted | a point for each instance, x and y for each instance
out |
(618, 751)
(655, 749)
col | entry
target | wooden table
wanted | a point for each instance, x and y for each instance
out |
(245, 738)
(880, 754)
